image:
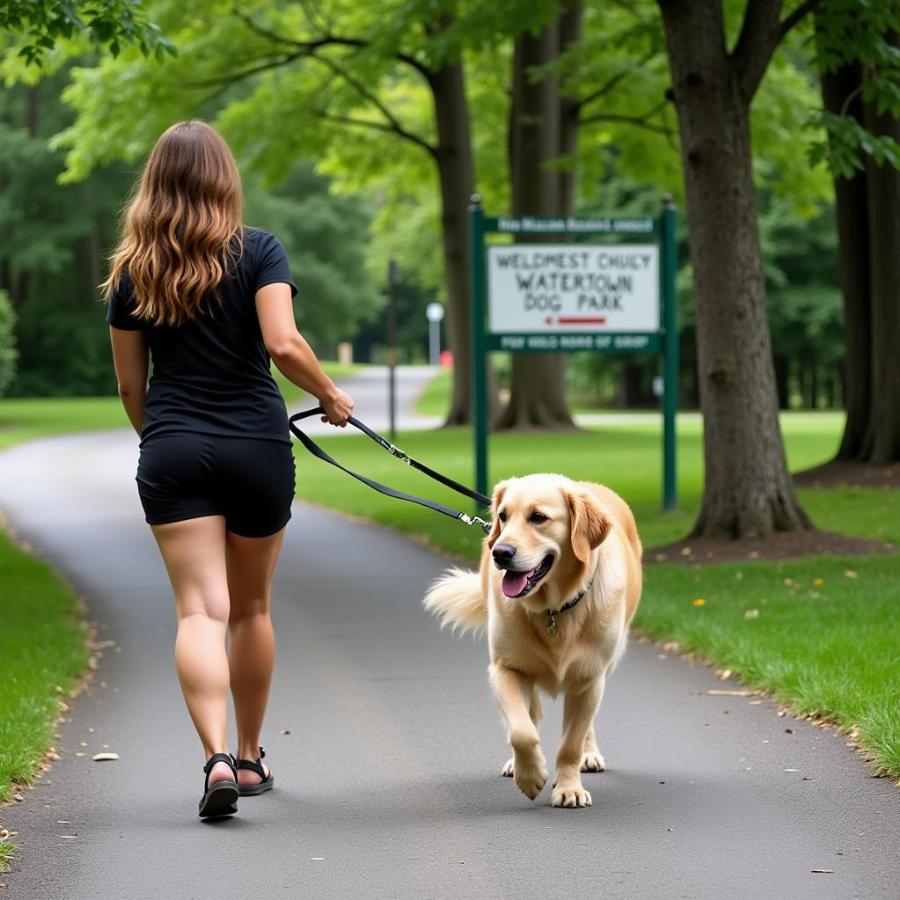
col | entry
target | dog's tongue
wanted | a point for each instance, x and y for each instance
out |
(514, 583)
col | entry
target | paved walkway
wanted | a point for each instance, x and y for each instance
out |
(386, 746)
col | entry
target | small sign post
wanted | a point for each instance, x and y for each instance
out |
(610, 297)
(434, 312)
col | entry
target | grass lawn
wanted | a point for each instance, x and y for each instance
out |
(829, 649)
(435, 397)
(43, 649)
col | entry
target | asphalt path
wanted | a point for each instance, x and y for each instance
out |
(386, 745)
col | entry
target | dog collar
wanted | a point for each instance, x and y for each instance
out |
(551, 628)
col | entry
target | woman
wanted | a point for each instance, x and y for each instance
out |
(210, 302)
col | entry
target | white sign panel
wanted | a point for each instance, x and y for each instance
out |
(565, 288)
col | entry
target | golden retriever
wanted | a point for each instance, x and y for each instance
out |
(559, 584)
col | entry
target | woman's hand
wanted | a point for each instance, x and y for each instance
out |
(338, 407)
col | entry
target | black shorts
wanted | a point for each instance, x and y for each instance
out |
(249, 481)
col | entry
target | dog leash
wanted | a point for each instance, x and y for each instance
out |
(318, 452)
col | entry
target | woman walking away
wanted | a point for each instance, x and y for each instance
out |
(209, 301)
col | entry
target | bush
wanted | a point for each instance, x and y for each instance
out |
(8, 354)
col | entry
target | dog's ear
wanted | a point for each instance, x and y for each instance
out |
(589, 526)
(496, 500)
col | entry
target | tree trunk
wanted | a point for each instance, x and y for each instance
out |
(882, 439)
(782, 381)
(748, 489)
(851, 211)
(456, 175)
(542, 126)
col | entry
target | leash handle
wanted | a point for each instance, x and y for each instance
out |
(395, 451)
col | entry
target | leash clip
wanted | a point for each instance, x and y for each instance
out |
(475, 520)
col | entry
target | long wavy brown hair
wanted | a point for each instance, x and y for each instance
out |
(181, 226)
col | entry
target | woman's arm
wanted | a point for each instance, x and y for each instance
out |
(129, 350)
(292, 354)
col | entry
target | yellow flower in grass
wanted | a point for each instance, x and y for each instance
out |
(699, 602)
(818, 582)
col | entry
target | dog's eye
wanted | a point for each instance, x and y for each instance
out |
(536, 518)
(501, 516)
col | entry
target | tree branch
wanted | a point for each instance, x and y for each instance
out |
(377, 126)
(329, 39)
(610, 83)
(803, 10)
(370, 97)
(638, 121)
(761, 33)
(228, 80)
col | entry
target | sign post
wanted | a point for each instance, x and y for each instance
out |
(478, 348)
(434, 312)
(615, 296)
(393, 281)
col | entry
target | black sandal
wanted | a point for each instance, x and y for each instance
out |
(220, 797)
(264, 785)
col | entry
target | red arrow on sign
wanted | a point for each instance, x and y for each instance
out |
(582, 320)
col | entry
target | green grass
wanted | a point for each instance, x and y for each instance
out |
(435, 397)
(43, 648)
(26, 419)
(624, 456)
(822, 635)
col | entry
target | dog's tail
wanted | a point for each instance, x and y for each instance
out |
(456, 599)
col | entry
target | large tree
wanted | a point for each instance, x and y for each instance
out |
(858, 56)
(543, 127)
(748, 489)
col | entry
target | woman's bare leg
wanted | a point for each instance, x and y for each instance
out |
(251, 648)
(194, 554)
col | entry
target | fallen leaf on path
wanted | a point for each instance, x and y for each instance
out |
(285, 731)
(103, 757)
(723, 674)
(715, 693)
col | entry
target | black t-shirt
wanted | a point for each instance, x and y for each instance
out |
(211, 374)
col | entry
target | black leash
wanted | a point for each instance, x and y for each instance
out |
(317, 451)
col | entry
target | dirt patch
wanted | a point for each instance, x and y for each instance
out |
(786, 545)
(849, 474)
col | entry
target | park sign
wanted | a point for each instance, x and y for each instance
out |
(610, 289)
(567, 297)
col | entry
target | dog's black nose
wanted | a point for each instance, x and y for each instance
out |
(503, 552)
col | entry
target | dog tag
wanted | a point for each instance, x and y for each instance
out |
(551, 629)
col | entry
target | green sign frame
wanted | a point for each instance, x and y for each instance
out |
(664, 341)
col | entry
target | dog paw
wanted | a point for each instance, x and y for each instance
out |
(508, 770)
(572, 797)
(593, 762)
(530, 775)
